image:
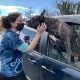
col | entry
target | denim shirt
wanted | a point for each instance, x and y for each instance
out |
(11, 64)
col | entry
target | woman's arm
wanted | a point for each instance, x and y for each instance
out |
(40, 30)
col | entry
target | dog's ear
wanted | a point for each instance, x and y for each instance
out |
(41, 18)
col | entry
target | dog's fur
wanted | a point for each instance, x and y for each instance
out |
(62, 31)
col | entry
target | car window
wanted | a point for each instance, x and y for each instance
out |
(58, 50)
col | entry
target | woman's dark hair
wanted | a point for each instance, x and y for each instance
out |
(6, 20)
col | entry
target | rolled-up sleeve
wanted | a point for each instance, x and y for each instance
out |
(23, 47)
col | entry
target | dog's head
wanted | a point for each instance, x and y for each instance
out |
(52, 24)
(37, 20)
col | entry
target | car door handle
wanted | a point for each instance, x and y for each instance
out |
(32, 60)
(44, 67)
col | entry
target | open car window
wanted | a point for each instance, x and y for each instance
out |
(58, 51)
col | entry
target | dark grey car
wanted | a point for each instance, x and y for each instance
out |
(45, 63)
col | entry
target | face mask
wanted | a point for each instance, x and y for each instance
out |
(20, 26)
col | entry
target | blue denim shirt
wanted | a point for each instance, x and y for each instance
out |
(11, 64)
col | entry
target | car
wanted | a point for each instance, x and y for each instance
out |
(45, 63)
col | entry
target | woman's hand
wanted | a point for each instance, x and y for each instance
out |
(41, 28)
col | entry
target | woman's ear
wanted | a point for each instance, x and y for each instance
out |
(12, 24)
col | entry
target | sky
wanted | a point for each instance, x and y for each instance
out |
(27, 3)
(35, 4)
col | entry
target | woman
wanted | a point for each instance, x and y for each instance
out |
(12, 48)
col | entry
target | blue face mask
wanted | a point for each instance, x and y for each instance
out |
(20, 26)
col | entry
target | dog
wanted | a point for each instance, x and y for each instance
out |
(61, 30)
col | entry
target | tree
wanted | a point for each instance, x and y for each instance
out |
(67, 7)
(78, 8)
(29, 13)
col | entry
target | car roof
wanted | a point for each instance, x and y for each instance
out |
(68, 18)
